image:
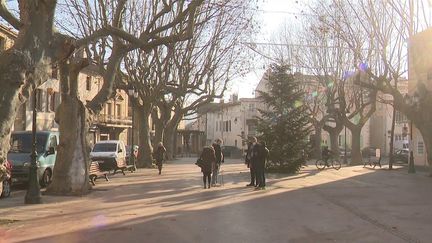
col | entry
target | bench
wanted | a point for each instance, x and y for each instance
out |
(95, 172)
(373, 162)
(123, 166)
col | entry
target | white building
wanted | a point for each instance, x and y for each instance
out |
(233, 122)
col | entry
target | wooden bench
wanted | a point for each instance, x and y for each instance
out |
(95, 172)
(123, 166)
(373, 161)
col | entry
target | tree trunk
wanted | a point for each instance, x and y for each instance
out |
(145, 154)
(356, 156)
(70, 176)
(334, 137)
(168, 140)
(25, 66)
(334, 142)
(159, 127)
(170, 135)
(316, 140)
(11, 80)
(391, 158)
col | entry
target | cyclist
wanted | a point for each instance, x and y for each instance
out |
(326, 154)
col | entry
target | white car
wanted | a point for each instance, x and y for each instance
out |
(111, 152)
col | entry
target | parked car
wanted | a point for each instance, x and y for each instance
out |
(5, 189)
(21, 149)
(401, 156)
(109, 152)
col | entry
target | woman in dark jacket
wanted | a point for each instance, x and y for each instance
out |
(208, 160)
(159, 156)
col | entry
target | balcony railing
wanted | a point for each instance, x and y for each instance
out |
(114, 120)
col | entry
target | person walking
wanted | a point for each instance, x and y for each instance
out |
(260, 165)
(248, 161)
(219, 159)
(206, 162)
(159, 156)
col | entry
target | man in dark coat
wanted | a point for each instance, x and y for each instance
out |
(208, 160)
(248, 161)
(219, 159)
(262, 154)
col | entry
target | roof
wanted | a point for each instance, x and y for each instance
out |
(212, 107)
(8, 31)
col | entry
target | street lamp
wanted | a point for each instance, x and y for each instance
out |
(132, 94)
(33, 195)
(345, 138)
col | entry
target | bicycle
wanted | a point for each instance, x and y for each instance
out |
(321, 164)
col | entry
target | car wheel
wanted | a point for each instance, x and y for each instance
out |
(6, 189)
(46, 178)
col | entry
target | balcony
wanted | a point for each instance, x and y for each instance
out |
(113, 121)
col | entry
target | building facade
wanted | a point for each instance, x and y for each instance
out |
(113, 122)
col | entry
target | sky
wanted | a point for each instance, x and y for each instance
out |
(273, 14)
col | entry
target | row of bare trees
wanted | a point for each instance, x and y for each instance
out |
(177, 54)
(356, 52)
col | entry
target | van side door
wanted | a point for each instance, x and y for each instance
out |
(51, 151)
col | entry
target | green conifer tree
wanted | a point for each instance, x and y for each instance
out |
(284, 125)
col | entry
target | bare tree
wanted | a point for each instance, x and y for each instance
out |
(39, 46)
(387, 25)
(204, 65)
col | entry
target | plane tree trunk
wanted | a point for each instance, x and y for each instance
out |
(145, 154)
(70, 176)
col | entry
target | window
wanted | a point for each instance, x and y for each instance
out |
(2, 43)
(251, 107)
(54, 72)
(340, 140)
(39, 100)
(88, 83)
(109, 109)
(217, 126)
(53, 142)
(53, 101)
(420, 147)
(118, 110)
(400, 118)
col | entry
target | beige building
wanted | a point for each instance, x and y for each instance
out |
(113, 122)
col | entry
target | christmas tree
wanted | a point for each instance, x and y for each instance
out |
(284, 124)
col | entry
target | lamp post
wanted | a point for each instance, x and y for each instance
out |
(33, 194)
(345, 140)
(411, 168)
(132, 94)
(345, 147)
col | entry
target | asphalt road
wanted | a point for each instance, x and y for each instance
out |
(353, 204)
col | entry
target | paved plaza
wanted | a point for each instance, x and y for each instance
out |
(353, 204)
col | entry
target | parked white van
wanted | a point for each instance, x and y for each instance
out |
(111, 152)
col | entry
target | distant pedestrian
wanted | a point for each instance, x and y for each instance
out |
(248, 161)
(219, 159)
(260, 165)
(207, 161)
(159, 156)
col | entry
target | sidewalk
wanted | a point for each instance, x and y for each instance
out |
(353, 204)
